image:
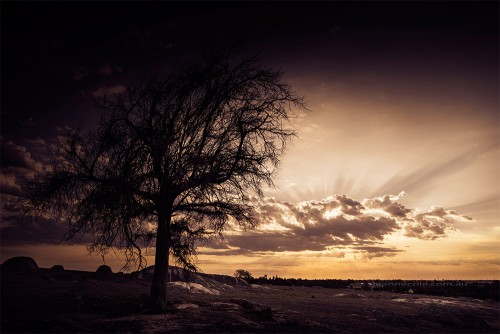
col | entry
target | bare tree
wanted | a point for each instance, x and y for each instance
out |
(173, 159)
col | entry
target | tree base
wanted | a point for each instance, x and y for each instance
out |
(161, 309)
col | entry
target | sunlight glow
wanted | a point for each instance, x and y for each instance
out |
(274, 226)
(333, 213)
(375, 212)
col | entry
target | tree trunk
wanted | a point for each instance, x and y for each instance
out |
(158, 295)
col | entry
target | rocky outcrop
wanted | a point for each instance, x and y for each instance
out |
(230, 280)
(211, 283)
(177, 274)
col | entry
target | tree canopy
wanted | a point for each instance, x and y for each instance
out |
(172, 160)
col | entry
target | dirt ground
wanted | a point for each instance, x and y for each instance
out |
(79, 302)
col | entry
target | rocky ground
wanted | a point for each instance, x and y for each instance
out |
(70, 301)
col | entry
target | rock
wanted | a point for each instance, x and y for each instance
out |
(57, 267)
(193, 288)
(104, 272)
(20, 265)
(257, 287)
(226, 306)
(255, 308)
(245, 304)
(185, 306)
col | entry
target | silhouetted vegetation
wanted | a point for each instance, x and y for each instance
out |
(244, 274)
(172, 160)
(446, 288)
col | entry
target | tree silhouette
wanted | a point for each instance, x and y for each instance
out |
(243, 274)
(173, 159)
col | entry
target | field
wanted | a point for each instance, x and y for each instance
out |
(71, 301)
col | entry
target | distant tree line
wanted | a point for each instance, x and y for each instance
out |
(281, 281)
(447, 288)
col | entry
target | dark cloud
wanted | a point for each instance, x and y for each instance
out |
(17, 156)
(370, 252)
(22, 231)
(276, 242)
(109, 90)
(20, 162)
(8, 184)
(8, 209)
(28, 122)
(317, 236)
(104, 69)
(349, 206)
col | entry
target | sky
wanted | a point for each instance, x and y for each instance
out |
(396, 169)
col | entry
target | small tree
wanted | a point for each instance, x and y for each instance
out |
(171, 161)
(243, 274)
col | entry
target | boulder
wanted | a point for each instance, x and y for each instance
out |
(57, 268)
(104, 271)
(20, 265)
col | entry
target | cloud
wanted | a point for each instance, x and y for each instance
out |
(104, 69)
(317, 236)
(337, 222)
(35, 231)
(15, 156)
(19, 163)
(8, 184)
(9, 209)
(109, 90)
(374, 251)
(432, 224)
(107, 69)
(389, 204)
(28, 122)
